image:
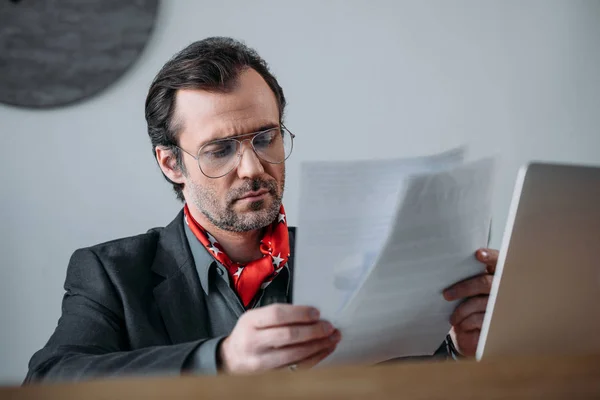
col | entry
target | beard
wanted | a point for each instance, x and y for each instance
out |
(258, 215)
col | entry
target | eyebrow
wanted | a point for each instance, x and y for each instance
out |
(262, 128)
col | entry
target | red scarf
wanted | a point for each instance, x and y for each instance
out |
(249, 279)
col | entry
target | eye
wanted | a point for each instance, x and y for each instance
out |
(218, 150)
(265, 139)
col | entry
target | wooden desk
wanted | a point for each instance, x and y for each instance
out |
(549, 378)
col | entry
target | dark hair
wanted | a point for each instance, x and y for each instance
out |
(212, 64)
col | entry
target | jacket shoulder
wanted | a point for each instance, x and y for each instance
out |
(121, 260)
(131, 245)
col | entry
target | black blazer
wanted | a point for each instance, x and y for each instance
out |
(132, 306)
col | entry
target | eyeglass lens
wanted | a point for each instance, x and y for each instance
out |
(218, 158)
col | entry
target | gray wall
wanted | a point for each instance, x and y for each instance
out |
(515, 79)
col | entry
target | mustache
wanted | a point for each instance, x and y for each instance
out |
(252, 186)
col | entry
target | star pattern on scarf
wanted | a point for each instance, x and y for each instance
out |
(277, 260)
(281, 218)
(215, 250)
(211, 239)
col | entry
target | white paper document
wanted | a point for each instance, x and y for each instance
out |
(377, 243)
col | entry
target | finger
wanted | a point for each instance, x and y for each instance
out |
(472, 322)
(315, 359)
(281, 314)
(470, 306)
(489, 257)
(480, 284)
(292, 334)
(277, 358)
(467, 342)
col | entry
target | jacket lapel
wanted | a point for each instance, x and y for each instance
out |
(179, 294)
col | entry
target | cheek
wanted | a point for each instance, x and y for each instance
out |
(277, 171)
(220, 188)
(204, 187)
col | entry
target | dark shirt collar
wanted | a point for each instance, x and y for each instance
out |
(203, 260)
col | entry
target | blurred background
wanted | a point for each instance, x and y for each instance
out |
(519, 80)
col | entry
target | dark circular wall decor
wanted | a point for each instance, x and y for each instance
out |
(57, 52)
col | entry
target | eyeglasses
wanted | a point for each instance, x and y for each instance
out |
(218, 158)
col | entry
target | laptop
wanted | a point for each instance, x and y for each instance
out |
(545, 297)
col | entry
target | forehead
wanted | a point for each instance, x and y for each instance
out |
(204, 116)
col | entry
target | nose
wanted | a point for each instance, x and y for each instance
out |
(250, 165)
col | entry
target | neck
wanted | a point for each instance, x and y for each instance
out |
(240, 247)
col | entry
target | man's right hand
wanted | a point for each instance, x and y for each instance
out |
(277, 336)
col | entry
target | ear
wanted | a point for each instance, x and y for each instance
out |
(168, 164)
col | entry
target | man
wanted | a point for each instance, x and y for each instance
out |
(208, 293)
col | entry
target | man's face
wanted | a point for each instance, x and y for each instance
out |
(249, 197)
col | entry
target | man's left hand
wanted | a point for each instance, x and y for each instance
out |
(467, 319)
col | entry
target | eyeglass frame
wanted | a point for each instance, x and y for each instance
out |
(239, 154)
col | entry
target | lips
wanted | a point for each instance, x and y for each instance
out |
(256, 193)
